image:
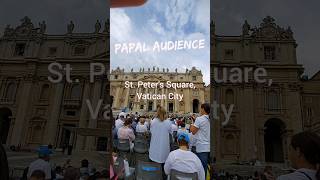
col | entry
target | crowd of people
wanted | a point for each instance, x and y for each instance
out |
(191, 134)
(41, 169)
(191, 155)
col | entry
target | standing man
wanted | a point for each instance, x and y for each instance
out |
(201, 131)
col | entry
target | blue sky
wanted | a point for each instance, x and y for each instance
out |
(162, 20)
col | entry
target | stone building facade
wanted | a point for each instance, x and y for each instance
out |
(127, 97)
(311, 103)
(34, 110)
(265, 116)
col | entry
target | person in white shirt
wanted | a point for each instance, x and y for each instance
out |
(160, 145)
(183, 160)
(174, 127)
(201, 131)
(304, 156)
(42, 163)
(142, 126)
(119, 122)
(126, 132)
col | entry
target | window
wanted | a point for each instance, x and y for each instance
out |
(228, 54)
(71, 113)
(230, 145)
(10, 92)
(195, 92)
(115, 76)
(44, 92)
(309, 112)
(194, 78)
(52, 51)
(75, 92)
(273, 101)
(141, 106)
(170, 108)
(20, 49)
(269, 53)
(150, 106)
(229, 97)
(132, 91)
(80, 50)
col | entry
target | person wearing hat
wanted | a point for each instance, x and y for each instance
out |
(183, 160)
(42, 163)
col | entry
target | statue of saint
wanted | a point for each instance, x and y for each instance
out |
(245, 28)
(106, 26)
(43, 27)
(97, 27)
(70, 27)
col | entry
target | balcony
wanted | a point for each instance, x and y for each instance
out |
(6, 101)
(73, 103)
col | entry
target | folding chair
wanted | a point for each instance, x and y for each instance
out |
(141, 150)
(123, 147)
(177, 175)
(148, 171)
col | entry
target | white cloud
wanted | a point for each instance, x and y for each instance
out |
(120, 25)
(162, 24)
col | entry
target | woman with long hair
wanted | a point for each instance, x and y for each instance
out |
(160, 145)
(304, 156)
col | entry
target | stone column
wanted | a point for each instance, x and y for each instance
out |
(136, 101)
(116, 98)
(260, 144)
(166, 100)
(96, 95)
(187, 101)
(127, 98)
(162, 100)
(83, 116)
(176, 103)
(155, 101)
(53, 119)
(21, 123)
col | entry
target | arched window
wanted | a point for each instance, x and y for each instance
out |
(10, 91)
(75, 92)
(229, 97)
(44, 92)
(273, 101)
